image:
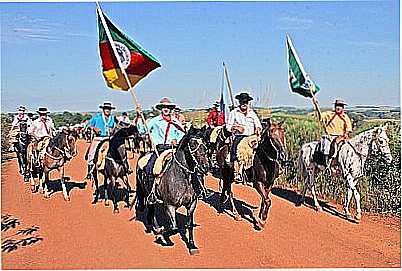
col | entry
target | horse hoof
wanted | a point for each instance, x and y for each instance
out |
(358, 216)
(67, 198)
(237, 217)
(94, 201)
(106, 203)
(194, 251)
(260, 223)
(46, 196)
(318, 208)
(158, 231)
(115, 211)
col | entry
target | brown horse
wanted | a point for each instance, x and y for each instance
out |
(269, 157)
(61, 149)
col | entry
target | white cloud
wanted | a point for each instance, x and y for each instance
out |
(294, 23)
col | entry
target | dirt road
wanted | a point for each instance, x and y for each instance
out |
(79, 235)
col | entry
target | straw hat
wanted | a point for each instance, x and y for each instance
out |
(165, 102)
(340, 102)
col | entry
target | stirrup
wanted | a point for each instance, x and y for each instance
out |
(152, 199)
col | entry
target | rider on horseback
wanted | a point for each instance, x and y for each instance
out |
(337, 126)
(42, 130)
(21, 117)
(102, 124)
(124, 118)
(165, 131)
(242, 122)
(215, 118)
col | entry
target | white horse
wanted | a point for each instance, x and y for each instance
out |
(351, 158)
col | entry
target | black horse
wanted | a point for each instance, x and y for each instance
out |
(177, 185)
(269, 157)
(21, 146)
(116, 166)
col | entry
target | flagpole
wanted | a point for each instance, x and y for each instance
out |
(229, 85)
(131, 90)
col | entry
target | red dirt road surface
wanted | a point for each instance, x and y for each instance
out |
(79, 235)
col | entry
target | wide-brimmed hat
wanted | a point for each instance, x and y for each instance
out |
(22, 108)
(165, 102)
(177, 109)
(216, 103)
(42, 110)
(107, 105)
(340, 102)
(243, 97)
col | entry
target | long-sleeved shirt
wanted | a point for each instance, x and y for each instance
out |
(215, 118)
(248, 120)
(103, 123)
(42, 127)
(336, 124)
(18, 118)
(164, 131)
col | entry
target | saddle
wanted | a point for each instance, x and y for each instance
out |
(102, 152)
(246, 151)
(159, 164)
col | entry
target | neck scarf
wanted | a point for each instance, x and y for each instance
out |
(168, 119)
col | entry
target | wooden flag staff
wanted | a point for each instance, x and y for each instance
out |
(130, 87)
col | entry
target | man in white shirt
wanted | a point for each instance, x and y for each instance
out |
(242, 122)
(42, 130)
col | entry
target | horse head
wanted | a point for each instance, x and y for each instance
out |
(273, 136)
(70, 145)
(380, 143)
(194, 146)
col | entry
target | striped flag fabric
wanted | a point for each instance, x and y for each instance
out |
(136, 62)
(299, 81)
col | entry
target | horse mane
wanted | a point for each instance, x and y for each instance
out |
(57, 141)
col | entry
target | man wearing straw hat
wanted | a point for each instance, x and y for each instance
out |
(42, 130)
(337, 125)
(20, 118)
(165, 131)
(102, 124)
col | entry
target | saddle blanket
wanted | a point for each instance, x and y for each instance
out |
(214, 134)
(160, 162)
(245, 151)
(102, 152)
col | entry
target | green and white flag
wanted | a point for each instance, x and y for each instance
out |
(299, 81)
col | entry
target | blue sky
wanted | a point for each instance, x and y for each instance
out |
(50, 55)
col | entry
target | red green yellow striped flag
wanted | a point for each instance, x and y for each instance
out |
(136, 62)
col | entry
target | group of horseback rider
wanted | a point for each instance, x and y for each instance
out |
(167, 129)
(41, 129)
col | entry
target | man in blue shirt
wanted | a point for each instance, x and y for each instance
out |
(166, 131)
(102, 124)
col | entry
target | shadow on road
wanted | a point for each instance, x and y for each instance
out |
(54, 186)
(295, 198)
(244, 209)
(17, 238)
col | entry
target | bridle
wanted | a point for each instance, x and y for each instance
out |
(65, 152)
(276, 158)
(191, 151)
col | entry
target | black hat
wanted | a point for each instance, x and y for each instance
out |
(42, 110)
(124, 113)
(243, 97)
(340, 102)
(107, 105)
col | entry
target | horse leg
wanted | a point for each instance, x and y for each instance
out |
(106, 189)
(45, 177)
(265, 203)
(190, 224)
(113, 187)
(96, 191)
(63, 185)
(171, 212)
(316, 204)
(352, 191)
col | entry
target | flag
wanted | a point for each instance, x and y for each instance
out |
(299, 81)
(222, 109)
(136, 62)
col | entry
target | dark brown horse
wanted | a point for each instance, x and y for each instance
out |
(61, 149)
(270, 155)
